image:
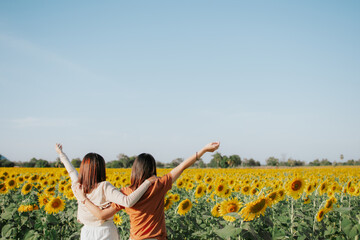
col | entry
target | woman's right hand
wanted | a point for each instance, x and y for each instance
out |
(58, 148)
(211, 147)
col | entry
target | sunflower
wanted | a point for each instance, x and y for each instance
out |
(208, 180)
(253, 209)
(309, 189)
(273, 198)
(307, 200)
(296, 187)
(229, 206)
(50, 190)
(320, 215)
(253, 191)
(34, 178)
(229, 218)
(11, 183)
(210, 188)
(352, 190)
(70, 195)
(237, 188)
(28, 208)
(198, 177)
(3, 188)
(227, 193)
(20, 179)
(43, 200)
(220, 189)
(245, 190)
(184, 207)
(329, 204)
(180, 183)
(323, 188)
(55, 205)
(215, 210)
(118, 219)
(200, 190)
(26, 188)
(281, 194)
(176, 197)
(168, 203)
(190, 186)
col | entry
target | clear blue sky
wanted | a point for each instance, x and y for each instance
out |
(266, 78)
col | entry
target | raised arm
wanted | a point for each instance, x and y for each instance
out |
(176, 172)
(69, 167)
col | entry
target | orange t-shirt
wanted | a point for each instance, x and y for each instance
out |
(147, 217)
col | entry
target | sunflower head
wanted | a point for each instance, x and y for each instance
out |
(216, 210)
(167, 203)
(118, 219)
(26, 188)
(184, 207)
(55, 205)
(200, 190)
(229, 206)
(320, 215)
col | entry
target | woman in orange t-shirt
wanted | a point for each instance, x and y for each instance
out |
(147, 217)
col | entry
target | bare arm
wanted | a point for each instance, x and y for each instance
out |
(176, 172)
(69, 167)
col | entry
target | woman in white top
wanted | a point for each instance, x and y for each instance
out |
(93, 182)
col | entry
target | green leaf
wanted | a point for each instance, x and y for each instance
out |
(8, 231)
(51, 219)
(7, 215)
(31, 235)
(343, 209)
(228, 232)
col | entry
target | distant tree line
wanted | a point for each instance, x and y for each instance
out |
(217, 161)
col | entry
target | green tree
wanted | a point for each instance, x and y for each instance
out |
(234, 160)
(114, 164)
(6, 163)
(215, 161)
(272, 161)
(76, 162)
(41, 163)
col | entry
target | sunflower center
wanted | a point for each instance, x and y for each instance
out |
(296, 185)
(258, 206)
(11, 183)
(185, 205)
(199, 190)
(328, 204)
(321, 214)
(220, 188)
(27, 187)
(272, 196)
(56, 203)
(232, 208)
(246, 189)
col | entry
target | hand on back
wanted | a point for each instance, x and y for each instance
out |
(152, 179)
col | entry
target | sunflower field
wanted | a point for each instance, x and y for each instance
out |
(284, 203)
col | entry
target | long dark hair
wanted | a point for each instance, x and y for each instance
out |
(143, 167)
(92, 171)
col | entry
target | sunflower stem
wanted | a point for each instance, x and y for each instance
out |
(292, 217)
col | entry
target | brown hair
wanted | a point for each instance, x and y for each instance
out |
(144, 167)
(92, 171)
